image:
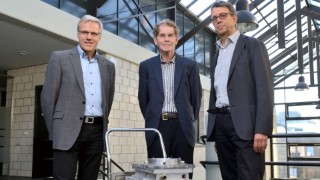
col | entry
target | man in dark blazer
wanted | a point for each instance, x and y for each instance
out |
(76, 101)
(169, 96)
(241, 99)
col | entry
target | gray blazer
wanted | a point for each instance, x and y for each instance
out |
(63, 96)
(250, 90)
(187, 94)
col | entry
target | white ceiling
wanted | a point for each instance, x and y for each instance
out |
(17, 37)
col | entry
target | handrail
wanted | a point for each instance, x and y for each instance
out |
(270, 163)
(128, 129)
(283, 135)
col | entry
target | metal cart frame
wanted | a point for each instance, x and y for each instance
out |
(129, 129)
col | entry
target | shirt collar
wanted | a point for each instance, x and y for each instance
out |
(171, 61)
(231, 39)
(84, 55)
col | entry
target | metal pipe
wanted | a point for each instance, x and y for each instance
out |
(299, 37)
(310, 50)
(129, 129)
(281, 24)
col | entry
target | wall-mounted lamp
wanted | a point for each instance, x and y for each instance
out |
(246, 20)
(302, 85)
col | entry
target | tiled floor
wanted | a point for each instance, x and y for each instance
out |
(22, 178)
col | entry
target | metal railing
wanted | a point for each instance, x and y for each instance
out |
(273, 163)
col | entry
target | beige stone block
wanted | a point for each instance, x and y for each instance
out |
(118, 79)
(132, 118)
(17, 79)
(16, 165)
(134, 67)
(31, 109)
(25, 78)
(126, 65)
(131, 74)
(28, 86)
(27, 101)
(19, 102)
(125, 116)
(116, 87)
(123, 89)
(24, 109)
(25, 94)
(131, 124)
(134, 83)
(133, 100)
(41, 68)
(16, 110)
(125, 98)
(38, 79)
(131, 108)
(20, 87)
(117, 96)
(31, 70)
(125, 81)
(22, 158)
(123, 72)
(124, 106)
(117, 114)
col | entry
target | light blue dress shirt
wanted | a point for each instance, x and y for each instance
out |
(92, 84)
(221, 74)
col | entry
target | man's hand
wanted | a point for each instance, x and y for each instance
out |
(260, 143)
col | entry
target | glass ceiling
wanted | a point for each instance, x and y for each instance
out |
(266, 13)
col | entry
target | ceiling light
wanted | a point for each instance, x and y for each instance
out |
(246, 20)
(23, 53)
(301, 86)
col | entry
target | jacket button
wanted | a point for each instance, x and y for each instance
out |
(83, 102)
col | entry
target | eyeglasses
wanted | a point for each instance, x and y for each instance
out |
(221, 16)
(86, 33)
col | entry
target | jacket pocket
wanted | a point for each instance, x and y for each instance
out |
(58, 115)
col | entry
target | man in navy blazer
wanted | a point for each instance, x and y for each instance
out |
(240, 118)
(169, 96)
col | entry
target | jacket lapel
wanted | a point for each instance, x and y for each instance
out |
(103, 68)
(237, 52)
(158, 72)
(177, 73)
(75, 60)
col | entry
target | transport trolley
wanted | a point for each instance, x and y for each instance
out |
(154, 168)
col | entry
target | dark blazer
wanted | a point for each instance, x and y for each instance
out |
(250, 90)
(187, 94)
(63, 96)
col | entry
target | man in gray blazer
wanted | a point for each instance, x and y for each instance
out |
(241, 99)
(76, 101)
(169, 96)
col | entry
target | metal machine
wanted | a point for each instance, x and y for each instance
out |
(155, 168)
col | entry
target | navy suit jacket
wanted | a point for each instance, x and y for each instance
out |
(249, 88)
(187, 94)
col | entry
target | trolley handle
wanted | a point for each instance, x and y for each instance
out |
(129, 129)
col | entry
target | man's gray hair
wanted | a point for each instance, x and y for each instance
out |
(89, 18)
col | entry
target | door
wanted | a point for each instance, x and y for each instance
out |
(42, 147)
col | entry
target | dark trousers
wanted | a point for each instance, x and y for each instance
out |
(85, 154)
(237, 159)
(175, 143)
